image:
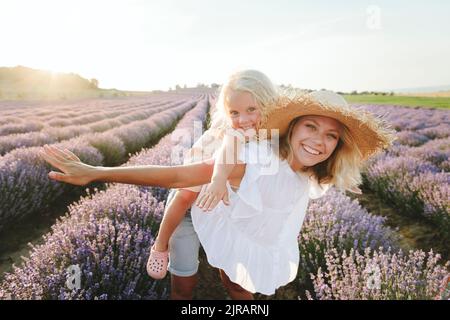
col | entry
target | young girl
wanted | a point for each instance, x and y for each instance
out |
(244, 101)
(254, 239)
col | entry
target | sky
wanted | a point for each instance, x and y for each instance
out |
(156, 44)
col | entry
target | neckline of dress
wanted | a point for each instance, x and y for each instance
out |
(299, 174)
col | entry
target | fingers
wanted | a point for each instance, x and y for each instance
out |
(203, 199)
(58, 176)
(55, 152)
(211, 198)
(50, 159)
(200, 199)
(214, 202)
(226, 199)
(61, 155)
(54, 162)
(71, 155)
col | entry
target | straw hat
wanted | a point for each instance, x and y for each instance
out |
(370, 133)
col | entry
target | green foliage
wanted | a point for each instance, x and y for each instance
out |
(391, 99)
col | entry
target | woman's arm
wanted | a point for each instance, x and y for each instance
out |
(163, 176)
(79, 173)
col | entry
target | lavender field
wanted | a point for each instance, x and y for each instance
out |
(348, 250)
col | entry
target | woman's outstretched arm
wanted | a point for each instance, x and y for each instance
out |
(163, 176)
(76, 172)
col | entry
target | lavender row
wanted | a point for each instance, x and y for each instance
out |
(107, 235)
(42, 108)
(50, 135)
(83, 115)
(414, 186)
(414, 175)
(415, 119)
(58, 118)
(25, 188)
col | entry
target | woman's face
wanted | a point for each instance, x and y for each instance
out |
(313, 140)
(243, 111)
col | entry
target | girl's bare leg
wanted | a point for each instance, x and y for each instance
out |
(175, 212)
(182, 288)
(235, 291)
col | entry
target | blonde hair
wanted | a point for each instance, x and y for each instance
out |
(342, 168)
(255, 82)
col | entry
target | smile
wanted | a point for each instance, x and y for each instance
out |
(311, 150)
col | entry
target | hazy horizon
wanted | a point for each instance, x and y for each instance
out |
(143, 46)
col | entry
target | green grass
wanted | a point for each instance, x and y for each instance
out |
(431, 102)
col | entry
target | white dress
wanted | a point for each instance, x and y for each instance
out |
(254, 239)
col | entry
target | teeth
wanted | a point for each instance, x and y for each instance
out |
(309, 150)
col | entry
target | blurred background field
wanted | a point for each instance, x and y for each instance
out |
(430, 100)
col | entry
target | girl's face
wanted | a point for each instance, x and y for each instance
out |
(313, 140)
(243, 111)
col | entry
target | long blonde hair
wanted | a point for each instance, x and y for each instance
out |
(342, 168)
(255, 82)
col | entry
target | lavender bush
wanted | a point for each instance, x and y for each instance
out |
(381, 275)
(414, 186)
(335, 221)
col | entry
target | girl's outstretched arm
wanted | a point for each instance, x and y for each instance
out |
(79, 173)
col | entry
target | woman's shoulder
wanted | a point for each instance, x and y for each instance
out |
(316, 189)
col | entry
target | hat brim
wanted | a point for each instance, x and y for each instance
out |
(371, 134)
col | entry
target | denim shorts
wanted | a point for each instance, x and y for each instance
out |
(183, 246)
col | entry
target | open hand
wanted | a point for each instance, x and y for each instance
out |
(74, 171)
(211, 195)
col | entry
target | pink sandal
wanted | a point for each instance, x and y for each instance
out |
(157, 263)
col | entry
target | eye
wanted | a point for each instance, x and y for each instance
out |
(251, 109)
(234, 113)
(310, 126)
(332, 136)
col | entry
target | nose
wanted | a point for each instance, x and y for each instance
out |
(243, 119)
(318, 140)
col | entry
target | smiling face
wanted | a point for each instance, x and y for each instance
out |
(243, 111)
(313, 140)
